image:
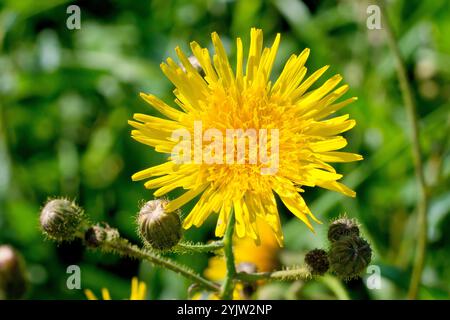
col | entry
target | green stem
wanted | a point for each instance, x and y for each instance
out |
(422, 199)
(122, 246)
(301, 273)
(228, 286)
(187, 247)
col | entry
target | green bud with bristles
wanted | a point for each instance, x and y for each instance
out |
(317, 261)
(349, 256)
(95, 236)
(61, 219)
(342, 227)
(158, 228)
(100, 234)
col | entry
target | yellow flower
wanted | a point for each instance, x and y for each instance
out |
(246, 99)
(138, 291)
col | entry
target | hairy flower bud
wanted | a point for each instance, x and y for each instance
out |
(13, 279)
(95, 236)
(341, 228)
(100, 233)
(61, 219)
(349, 256)
(158, 228)
(317, 261)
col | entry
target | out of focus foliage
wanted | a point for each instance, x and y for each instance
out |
(66, 96)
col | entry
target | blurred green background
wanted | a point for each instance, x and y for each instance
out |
(66, 96)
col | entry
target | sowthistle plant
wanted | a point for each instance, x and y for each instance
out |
(291, 139)
(347, 257)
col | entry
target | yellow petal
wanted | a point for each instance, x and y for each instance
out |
(90, 295)
(331, 144)
(162, 107)
(335, 156)
(185, 198)
(105, 294)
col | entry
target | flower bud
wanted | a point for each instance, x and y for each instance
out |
(317, 261)
(61, 219)
(341, 228)
(13, 278)
(349, 256)
(100, 233)
(158, 228)
(95, 236)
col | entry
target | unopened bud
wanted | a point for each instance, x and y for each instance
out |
(349, 256)
(61, 219)
(341, 228)
(98, 234)
(317, 261)
(95, 236)
(158, 228)
(13, 279)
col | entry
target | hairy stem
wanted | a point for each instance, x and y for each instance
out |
(301, 273)
(187, 247)
(122, 246)
(228, 286)
(422, 199)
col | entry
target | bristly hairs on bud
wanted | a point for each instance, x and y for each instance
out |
(62, 220)
(159, 229)
(100, 233)
(317, 261)
(342, 227)
(349, 256)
